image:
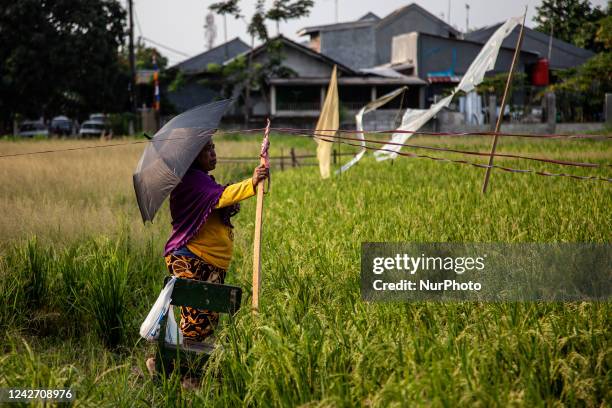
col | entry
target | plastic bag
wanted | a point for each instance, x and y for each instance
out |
(149, 329)
(172, 329)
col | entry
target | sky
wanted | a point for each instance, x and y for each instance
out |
(179, 24)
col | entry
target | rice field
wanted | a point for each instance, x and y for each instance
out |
(79, 271)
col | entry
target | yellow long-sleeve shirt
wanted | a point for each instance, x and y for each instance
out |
(214, 241)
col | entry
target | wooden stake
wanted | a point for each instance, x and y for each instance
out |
(500, 117)
(258, 224)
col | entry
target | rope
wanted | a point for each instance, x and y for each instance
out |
(468, 152)
(70, 149)
(477, 133)
(483, 166)
(340, 139)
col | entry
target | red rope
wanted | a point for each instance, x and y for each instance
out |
(468, 152)
(484, 166)
(545, 136)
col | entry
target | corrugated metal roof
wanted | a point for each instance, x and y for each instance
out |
(533, 38)
(216, 55)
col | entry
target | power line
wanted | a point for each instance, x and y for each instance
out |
(138, 22)
(184, 54)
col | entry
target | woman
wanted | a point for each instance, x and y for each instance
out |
(201, 243)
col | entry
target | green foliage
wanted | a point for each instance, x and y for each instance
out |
(604, 33)
(23, 368)
(107, 293)
(257, 26)
(284, 10)
(228, 7)
(144, 57)
(247, 77)
(54, 56)
(119, 122)
(178, 82)
(581, 91)
(496, 84)
(315, 342)
(593, 78)
(214, 68)
(585, 87)
(231, 75)
(573, 21)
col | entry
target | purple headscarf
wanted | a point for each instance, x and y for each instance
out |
(191, 202)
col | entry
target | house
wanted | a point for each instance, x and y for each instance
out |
(193, 92)
(367, 42)
(409, 47)
(298, 97)
(563, 55)
(302, 94)
(442, 61)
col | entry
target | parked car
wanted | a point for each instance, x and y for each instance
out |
(92, 128)
(97, 117)
(61, 125)
(31, 128)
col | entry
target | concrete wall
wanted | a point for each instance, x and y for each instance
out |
(436, 54)
(563, 128)
(381, 119)
(406, 22)
(354, 48)
(528, 128)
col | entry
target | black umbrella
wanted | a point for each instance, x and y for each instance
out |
(171, 152)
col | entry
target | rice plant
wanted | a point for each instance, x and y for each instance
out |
(314, 342)
(107, 293)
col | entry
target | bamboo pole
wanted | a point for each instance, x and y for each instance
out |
(259, 223)
(500, 117)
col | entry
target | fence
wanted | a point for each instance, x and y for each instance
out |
(293, 160)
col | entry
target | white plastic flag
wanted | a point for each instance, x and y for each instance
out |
(414, 119)
(373, 105)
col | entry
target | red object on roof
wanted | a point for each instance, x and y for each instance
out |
(540, 73)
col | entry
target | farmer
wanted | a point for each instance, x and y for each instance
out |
(201, 243)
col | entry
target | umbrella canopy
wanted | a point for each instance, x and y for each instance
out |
(171, 152)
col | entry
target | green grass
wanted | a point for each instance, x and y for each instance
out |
(70, 311)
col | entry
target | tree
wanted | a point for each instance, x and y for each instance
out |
(224, 9)
(581, 91)
(144, 57)
(284, 10)
(61, 57)
(573, 21)
(144, 61)
(255, 76)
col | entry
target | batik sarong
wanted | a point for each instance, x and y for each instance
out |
(196, 324)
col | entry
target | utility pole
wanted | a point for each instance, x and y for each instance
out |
(132, 59)
(467, 17)
(448, 15)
